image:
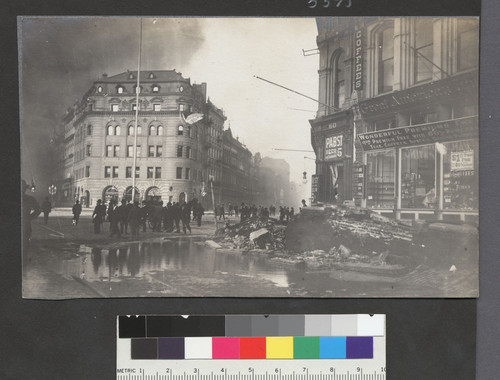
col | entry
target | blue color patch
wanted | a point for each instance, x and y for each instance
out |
(332, 347)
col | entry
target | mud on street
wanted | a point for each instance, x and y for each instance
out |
(332, 253)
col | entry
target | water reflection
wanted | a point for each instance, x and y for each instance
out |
(138, 259)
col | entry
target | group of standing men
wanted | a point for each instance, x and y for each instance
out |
(152, 212)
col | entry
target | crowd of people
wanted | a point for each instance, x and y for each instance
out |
(244, 212)
(151, 214)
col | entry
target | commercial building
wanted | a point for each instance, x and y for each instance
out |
(176, 156)
(397, 128)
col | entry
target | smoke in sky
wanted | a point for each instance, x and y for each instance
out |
(60, 58)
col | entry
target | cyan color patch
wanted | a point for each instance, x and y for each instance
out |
(332, 347)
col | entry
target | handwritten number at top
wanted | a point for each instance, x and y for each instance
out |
(326, 3)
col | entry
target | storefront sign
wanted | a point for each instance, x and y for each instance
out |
(441, 131)
(358, 60)
(333, 147)
(314, 188)
(358, 181)
(462, 160)
(458, 86)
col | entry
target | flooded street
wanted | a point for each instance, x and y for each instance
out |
(183, 266)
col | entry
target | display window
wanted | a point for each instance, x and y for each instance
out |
(380, 177)
(460, 176)
(418, 177)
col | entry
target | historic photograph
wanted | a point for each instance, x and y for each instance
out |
(249, 157)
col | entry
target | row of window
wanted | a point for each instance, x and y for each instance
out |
(153, 151)
(422, 52)
(115, 107)
(121, 89)
(151, 172)
(154, 130)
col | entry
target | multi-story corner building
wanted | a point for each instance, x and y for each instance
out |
(397, 128)
(239, 172)
(99, 136)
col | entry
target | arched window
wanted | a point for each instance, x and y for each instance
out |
(99, 89)
(156, 88)
(135, 89)
(117, 130)
(180, 130)
(423, 49)
(338, 79)
(385, 67)
(110, 131)
(160, 130)
(152, 130)
(139, 130)
(130, 130)
(119, 90)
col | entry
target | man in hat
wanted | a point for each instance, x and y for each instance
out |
(46, 209)
(77, 210)
(98, 216)
(31, 209)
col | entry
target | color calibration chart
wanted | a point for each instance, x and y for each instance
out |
(251, 347)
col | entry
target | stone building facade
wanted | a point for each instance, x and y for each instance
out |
(397, 128)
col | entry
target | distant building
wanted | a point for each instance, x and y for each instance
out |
(397, 131)
(239, 172)
(274, 180)
(98, 145)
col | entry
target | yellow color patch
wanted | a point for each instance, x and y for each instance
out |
(280, 347)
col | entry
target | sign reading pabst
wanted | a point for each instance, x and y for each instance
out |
(333, 147)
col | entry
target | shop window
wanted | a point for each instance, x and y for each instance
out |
(149, 172)
(338, 80)
(380, 179)
(423, 49)
(423, 117)
(107, 171)
(380, 125)
(460, 175)
(178, 173)
(418, 177)
(385, 39)
(467, 43)
(157, 172)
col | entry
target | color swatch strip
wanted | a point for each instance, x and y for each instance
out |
(278, 347)
(322, 325)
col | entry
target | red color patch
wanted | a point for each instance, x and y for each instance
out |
(253, 348)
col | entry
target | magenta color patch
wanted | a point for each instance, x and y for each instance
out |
(225, 348)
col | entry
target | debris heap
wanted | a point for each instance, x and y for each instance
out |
(253, 233)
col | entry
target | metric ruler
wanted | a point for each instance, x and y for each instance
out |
(251, 347)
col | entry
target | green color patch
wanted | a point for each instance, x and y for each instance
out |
(306, 347)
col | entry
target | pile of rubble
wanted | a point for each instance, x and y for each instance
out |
(253, 234)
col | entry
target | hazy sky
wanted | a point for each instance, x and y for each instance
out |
(62, 57)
